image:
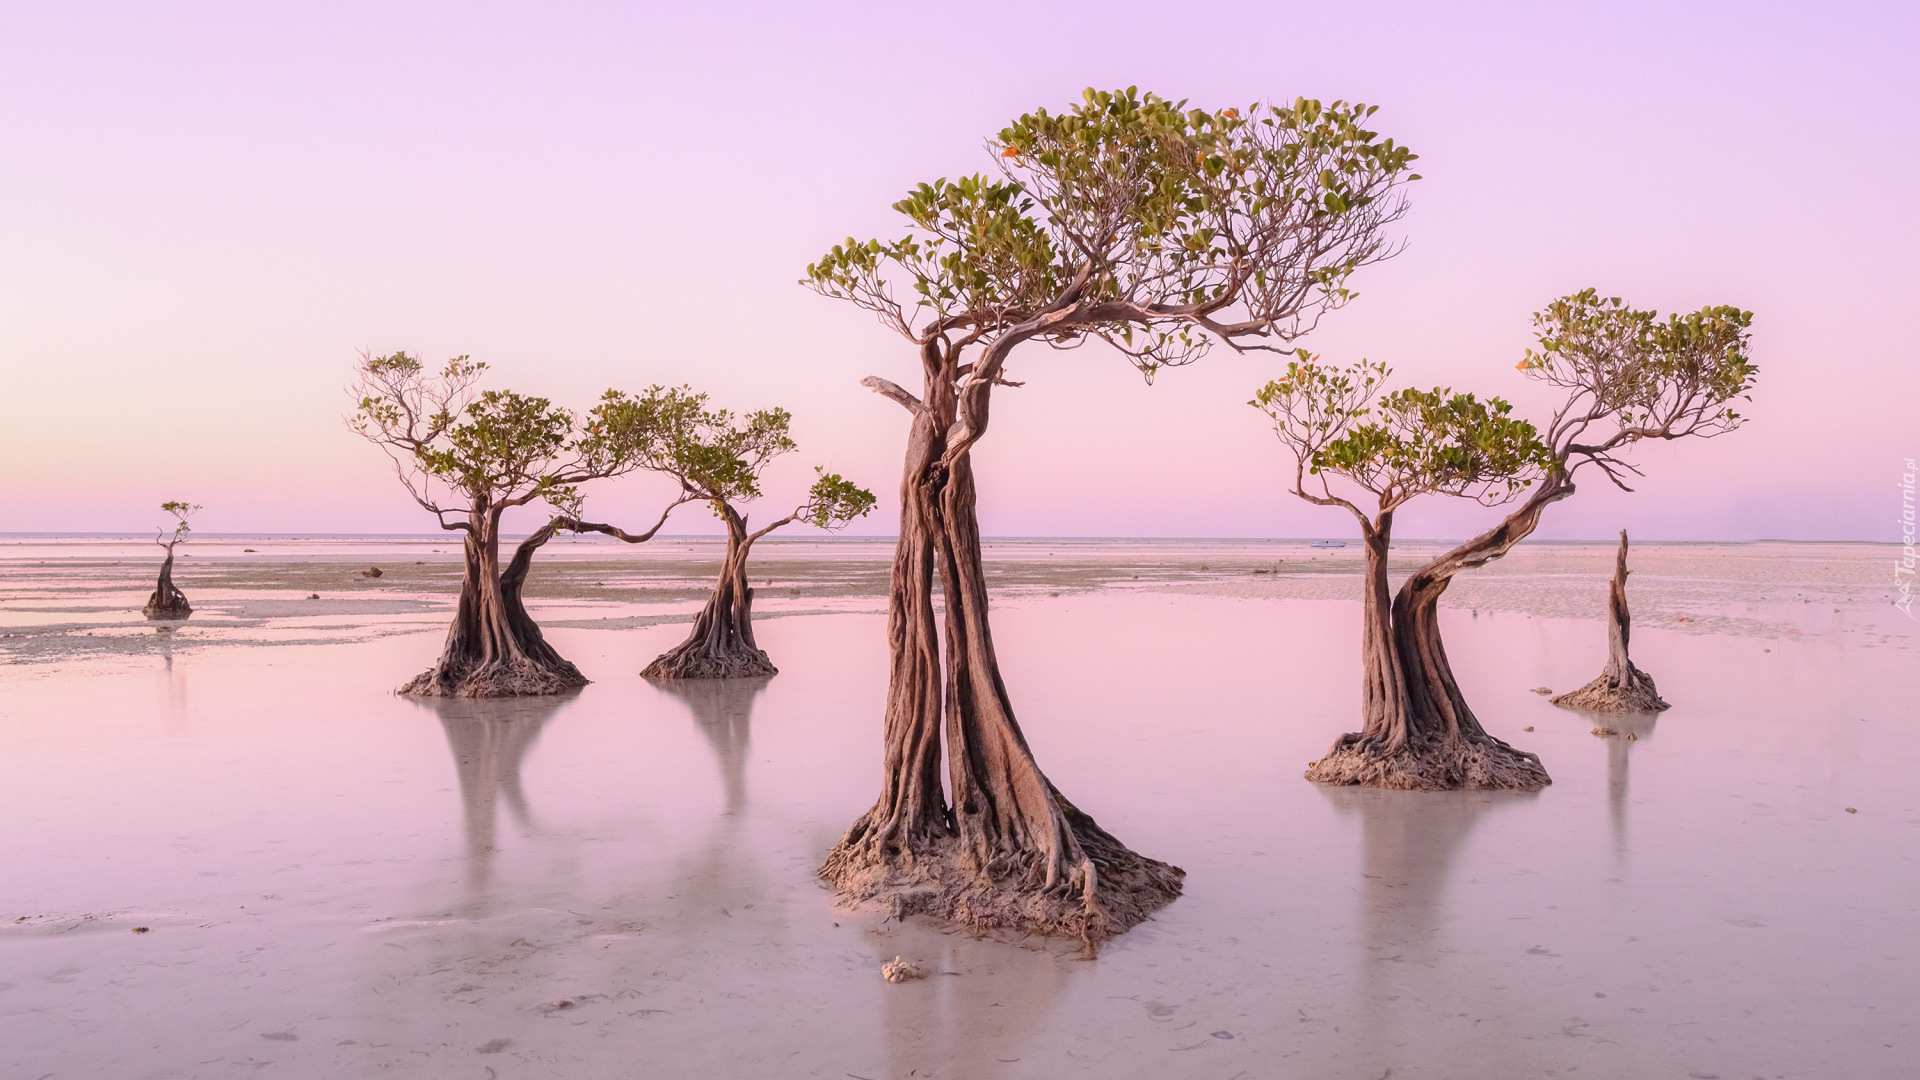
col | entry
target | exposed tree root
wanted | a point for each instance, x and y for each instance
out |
(523, 678)
(944, 878)
(720, 644)
(1634, 694)
(1621, 687)
(162, 608)
(694, 660)
(167, 601)
(1447, 763)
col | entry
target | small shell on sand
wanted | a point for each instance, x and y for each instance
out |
(899, 969)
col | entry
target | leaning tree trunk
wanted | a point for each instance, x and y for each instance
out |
(1621, 687)
(1391, 739)
(1011, 853)
(1451, 750)
(721, 645)
(167, 601)
(494, 648)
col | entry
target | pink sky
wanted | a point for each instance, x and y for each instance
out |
(206, 209)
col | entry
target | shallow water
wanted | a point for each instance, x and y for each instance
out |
(338, 882)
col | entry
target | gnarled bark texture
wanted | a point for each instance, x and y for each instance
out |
(721, 645)
(1621, 687)
(494, 648)
(1010, 852)
(167, 601)
(1434, 742)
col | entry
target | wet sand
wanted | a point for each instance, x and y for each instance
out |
(338, 882)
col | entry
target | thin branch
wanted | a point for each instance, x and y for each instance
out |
(788, 520)
(573, 524)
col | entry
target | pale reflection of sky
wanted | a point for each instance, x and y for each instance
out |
(340, 882)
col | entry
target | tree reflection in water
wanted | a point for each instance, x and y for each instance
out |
(723, 711)
(719, 876)
(1409, 841)
(490, 739)
(1621, 731)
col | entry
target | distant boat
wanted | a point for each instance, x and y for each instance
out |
(1328, 543)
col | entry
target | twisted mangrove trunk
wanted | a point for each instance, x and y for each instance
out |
(494, 648)
(167, 601)
(1446, 747)
(1010, 852)
(721, 645)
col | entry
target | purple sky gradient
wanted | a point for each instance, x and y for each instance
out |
(206, 209)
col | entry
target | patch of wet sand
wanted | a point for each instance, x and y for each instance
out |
(339, 882)
(84, 604)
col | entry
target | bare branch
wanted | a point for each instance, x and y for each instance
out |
(893, 391)
(574, 524)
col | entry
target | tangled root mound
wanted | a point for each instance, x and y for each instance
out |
(1636, 694)
(1475, 763)
(944, 879)
(500, 680)
(701, 663)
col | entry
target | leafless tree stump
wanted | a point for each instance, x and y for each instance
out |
(1621, 687)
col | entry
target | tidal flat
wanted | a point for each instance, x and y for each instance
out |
(230, 850)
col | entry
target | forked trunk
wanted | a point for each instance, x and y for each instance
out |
(1445, 747)
(910, 820)
(167, 601)
(494, 648)
(1621, 687)
(1011, 852)
(1038, 863)
(721, 645)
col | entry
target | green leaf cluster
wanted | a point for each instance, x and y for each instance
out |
(1128, 217)
(834, 501)
(494, 447)
(503, 441)
(181, 511)
(1651, 377)
(715, 454)
(1403, 443)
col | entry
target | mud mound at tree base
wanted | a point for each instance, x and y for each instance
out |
(496, 681)
(945, 882)
(1471, 764)
(1638, 695)
(685, 663)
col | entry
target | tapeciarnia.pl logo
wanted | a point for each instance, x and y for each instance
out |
(1903, 566)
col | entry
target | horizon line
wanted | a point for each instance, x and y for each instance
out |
(892, 538)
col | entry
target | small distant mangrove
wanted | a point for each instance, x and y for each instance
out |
(167, 601)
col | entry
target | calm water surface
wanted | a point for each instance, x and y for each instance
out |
(338, 882)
